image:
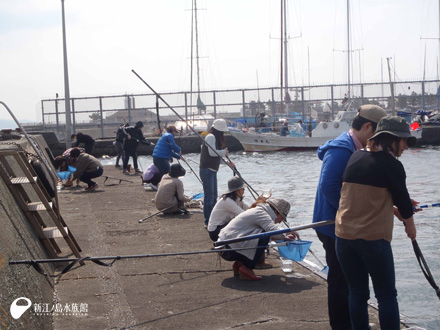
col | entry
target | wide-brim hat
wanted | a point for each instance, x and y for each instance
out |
(280, 205)
(235, 183)
(396, 126)
(371, 112)
(220, 125)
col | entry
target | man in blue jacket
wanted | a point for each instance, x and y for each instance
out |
(335, 155)
(165, 149)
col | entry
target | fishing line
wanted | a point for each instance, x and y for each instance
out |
(191, 170)
(192, 129)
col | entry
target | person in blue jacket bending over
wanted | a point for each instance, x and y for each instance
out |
(165, 149)
(335, 155)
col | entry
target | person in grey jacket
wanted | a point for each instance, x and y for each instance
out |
(261, 217)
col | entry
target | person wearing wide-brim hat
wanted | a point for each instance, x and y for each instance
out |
(262, 216)
(373, 191)
(212, 151)
(229, 205)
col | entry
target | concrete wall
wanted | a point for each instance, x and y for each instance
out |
(19, 242)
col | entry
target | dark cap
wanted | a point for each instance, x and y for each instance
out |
(396, 126)
(139, 124)
(177, 170)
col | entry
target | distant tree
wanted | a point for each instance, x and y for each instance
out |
(95, 116)
(402, 101)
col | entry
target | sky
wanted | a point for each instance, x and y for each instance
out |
(239, 45)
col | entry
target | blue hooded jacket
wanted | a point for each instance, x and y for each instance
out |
(166, 147)
(334, 155)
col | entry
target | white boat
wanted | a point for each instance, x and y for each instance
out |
(199, 123)
(260, 142)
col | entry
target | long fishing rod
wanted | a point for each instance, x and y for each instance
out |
(160, 211)
(192, 129)
(183, 159)
(97, 260)
(426, 206)
(251, 190)
(275, 232)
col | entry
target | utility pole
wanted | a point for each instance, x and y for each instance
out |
(66, 84)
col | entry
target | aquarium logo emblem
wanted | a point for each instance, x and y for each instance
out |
(18, 310)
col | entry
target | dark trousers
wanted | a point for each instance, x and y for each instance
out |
(337, 287)
(87, 177)
(236, 256)
(127, 153)
(163, 165)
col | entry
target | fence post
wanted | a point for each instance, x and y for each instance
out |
(215, 105)
(42, 113)
(333, 101)
(56, 113)
(186, 111)
(73, 116)
(101, 115)
(243, 103)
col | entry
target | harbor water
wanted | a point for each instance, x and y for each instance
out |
(294, 177)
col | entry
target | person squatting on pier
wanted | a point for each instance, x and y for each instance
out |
(165, 149)
(335, 155)
(170, 197)
(210, 163)
(262, 216)
(87, 168)
(133, 135)
(364, 230)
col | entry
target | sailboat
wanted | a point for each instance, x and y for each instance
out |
(297, 140)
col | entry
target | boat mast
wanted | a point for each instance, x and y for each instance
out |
(281, 62)
(348, 48)
(197, 52)
(285, 51)
(192, 55)
(391, 87)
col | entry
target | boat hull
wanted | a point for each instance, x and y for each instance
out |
(260, 142)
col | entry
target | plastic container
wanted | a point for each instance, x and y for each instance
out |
(72, 169)
(286, 265)
(294, 250)
(63, 175)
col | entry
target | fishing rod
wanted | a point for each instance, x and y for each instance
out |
(251, 190)
(111, 177)
(425, 268)
(426, 206)
(97, 260)
(275, 232)
(183, 159)
(196, 196)
(181, 118)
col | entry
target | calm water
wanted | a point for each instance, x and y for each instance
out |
(294, 176)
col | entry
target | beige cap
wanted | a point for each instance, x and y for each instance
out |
(371, 112)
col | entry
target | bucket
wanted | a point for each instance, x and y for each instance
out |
(63, 175)
(294, 250)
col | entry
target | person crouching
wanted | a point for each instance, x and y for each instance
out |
(87, 168)
(170, 196)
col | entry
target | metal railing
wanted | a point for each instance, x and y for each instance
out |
(103, 114)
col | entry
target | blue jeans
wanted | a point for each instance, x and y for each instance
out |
(209, 179)
(360, 258)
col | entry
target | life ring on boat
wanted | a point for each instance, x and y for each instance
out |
(324, 125)
(336, 125)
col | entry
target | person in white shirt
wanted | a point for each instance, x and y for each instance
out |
(227, 207)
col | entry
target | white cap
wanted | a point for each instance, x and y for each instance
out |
(220, 125)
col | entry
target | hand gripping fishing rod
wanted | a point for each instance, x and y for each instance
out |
(192, 129)
(272, 233)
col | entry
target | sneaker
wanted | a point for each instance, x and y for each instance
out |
(152, 186)
(137, 171)
(118, 166)
(93, 187)
(125, 172)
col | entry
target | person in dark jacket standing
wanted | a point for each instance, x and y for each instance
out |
(119, 144)
(133, 135)
(364, 229)
(87, 140)
(334, 155)
(165, 149)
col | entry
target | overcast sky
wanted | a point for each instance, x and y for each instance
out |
(237, 43)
